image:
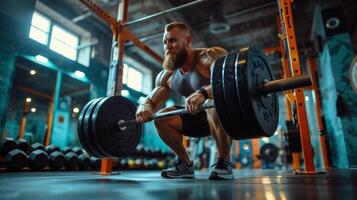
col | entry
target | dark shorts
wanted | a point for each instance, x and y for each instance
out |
(195, 125)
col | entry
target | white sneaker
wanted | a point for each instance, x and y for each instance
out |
(222, 169)
(179, 170)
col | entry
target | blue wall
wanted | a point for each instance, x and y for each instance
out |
(15, 22)
(341, 120)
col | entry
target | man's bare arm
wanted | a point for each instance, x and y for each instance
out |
(208, 57)
(159, 95)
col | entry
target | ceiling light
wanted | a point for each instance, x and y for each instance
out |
(246, 147)
(41, 58)
(125, 93)
(79, 74)
(332, 23)
(33, 110)
(28, 99)
(307, 98)
(32, 72)
(75, 110)
(218, 24)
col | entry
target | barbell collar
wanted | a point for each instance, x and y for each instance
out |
(208, 104)
(285, 84)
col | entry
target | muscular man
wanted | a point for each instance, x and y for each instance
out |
(187, 72)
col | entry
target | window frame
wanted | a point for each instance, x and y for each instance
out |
(125, 76)
(52, 24)
(39, 28)
(70, 32)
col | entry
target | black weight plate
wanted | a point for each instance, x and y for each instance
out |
(261, 112)
(116, 142)
(269, 152)
(80, 125)
(239, 73)
(231, 98)
(93, 134)
(218, 96)
(87, 131)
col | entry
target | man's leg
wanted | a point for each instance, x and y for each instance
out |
(169, 130)
(223, 166)
(223, 140)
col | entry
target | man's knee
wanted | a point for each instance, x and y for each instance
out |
(169, 122)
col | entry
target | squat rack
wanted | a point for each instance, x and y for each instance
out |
(121, 34)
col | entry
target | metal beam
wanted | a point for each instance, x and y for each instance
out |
(248, 14)
(175, 16)
(110, 20)
(34, 92)
(164, 12)
(234, 18)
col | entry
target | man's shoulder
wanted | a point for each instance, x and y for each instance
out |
(209, 55)
(163, 77)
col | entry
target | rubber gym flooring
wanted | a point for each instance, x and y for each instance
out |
(135, 185)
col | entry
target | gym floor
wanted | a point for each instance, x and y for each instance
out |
(248, 184)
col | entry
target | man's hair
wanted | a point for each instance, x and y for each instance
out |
(179, 25)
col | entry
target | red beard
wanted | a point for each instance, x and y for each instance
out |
(174, 61)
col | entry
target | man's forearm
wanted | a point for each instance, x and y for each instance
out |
(208, 89)
(157, 98)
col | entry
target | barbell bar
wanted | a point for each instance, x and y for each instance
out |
(266, 88)
(244, 96)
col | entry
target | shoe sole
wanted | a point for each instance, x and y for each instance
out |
(184, 176)
(215, 176)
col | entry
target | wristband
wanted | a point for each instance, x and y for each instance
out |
(203, 92)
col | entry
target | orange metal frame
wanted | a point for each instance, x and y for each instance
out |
(289, 96)
(121, 34)
(255, 151)
(289, 36)
(286, 71)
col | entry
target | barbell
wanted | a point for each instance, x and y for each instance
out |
(244, 96)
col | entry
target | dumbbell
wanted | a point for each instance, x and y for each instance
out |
(57, 160)
(153, 163)
(23, 145)
(7, 145)
(52, 148)
(139, 163)
(15, 160)
(72, 161)
(161, 164)
(37, 160)
(145, 164)
(123, 164)
(36, 146)
(66, 150)
(95, 163)
(131, 163)
(77, 150)
(84, 162)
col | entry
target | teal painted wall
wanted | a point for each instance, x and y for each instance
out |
(11, 12)
(7, 60)
(341, 124)
(15, 22)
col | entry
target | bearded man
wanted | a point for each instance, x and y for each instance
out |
(187, 72)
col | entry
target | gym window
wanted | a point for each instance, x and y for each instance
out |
(57, 38)
(40, 27)
(64, 42)
(133, 78)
